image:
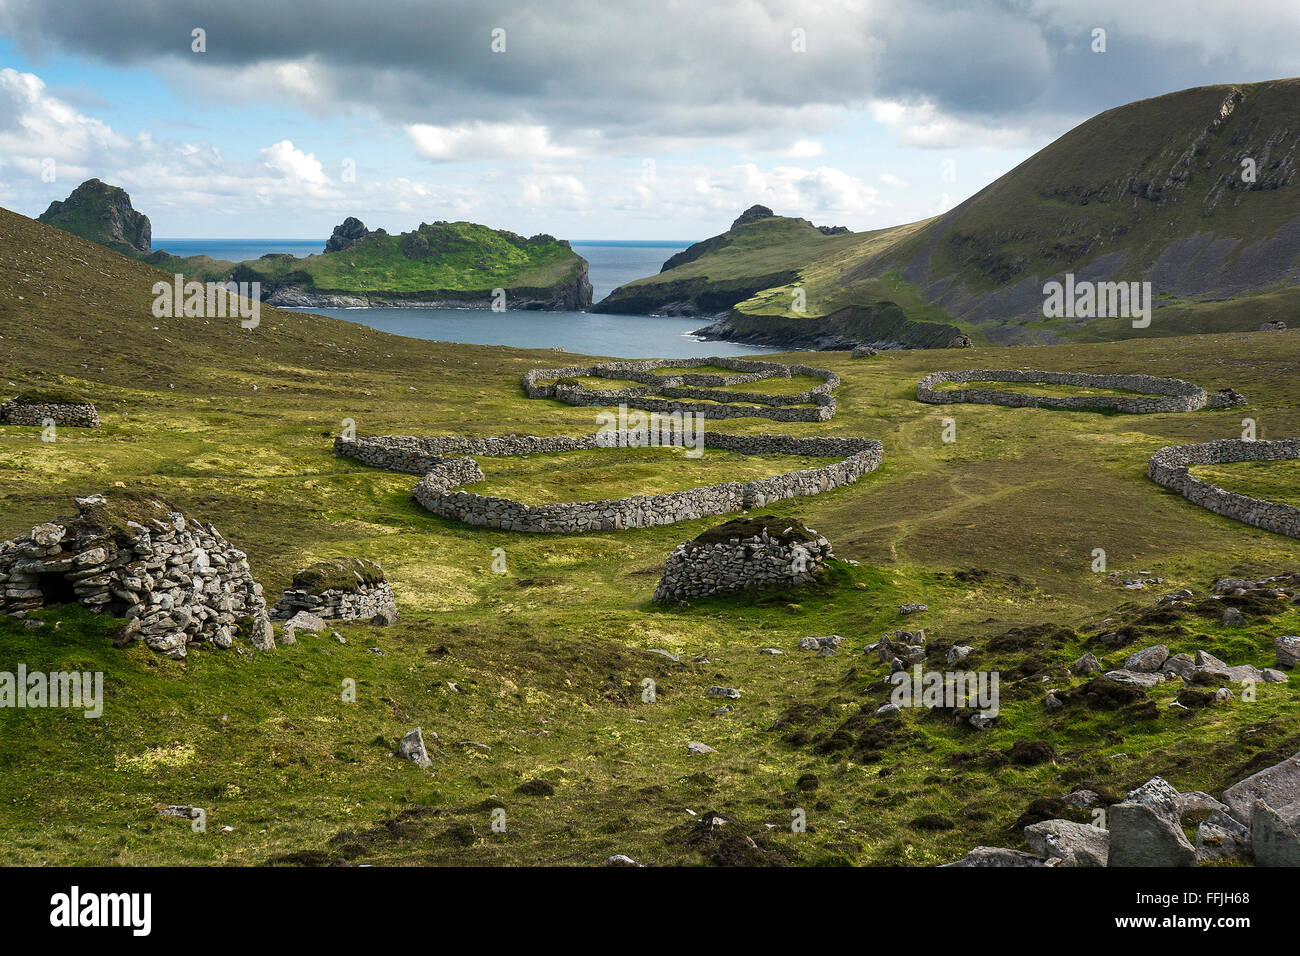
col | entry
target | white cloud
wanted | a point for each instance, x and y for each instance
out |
(485, 141)
(293, 163)
(889, 179)
(804, 149)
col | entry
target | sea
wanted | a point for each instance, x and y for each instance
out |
(612, 263)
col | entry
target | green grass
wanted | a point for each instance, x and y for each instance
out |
(621, 472)
(1271, 480)
(993, 532)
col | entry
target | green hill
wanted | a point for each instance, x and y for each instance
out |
(1152, 191)
(532, 679)
(454, 264)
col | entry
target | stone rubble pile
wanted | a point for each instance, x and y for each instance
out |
(1257, 821)
(178, 582)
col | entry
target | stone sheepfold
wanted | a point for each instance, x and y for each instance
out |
(71, 414)
(178, 582)
(442, 473)
(344, 589)
(1169, 467)
(705, 388)
(1158, 394)
(751, 558)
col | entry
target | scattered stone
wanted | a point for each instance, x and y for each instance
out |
(1271, 675)
(1147, 660)
(728, 692)
(1082, 799)
(912, 609)
(696, 747)
(820, 643)
(959, 652)
(886, 709)
(412, 748)
(1138, 678)
(1180, 665)
(618, 859)
(1074, 844)
(983, 720)
(1233, 618)
(1146, 830)
(723, 710)
(1052, 701)
(1087, 664)
(663, 653)
(770, 650)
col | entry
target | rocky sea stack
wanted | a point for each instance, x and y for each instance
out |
(103, 214)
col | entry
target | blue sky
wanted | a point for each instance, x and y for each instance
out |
(595, 121)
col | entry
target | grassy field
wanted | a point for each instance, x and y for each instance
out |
(995, 532)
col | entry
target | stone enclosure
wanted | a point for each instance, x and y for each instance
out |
(342, 589)
(706, 389)
(744, 554)
(71, 414)
(1158, 394)
(434, 458)
(1169, 467)
(178, 582)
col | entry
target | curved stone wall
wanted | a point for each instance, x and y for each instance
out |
(705, 388)
(1159, 394)
(1169, 467)
(436, 490)
(79, 415)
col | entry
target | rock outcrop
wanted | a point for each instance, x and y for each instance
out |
(103, 214)
(347, 233)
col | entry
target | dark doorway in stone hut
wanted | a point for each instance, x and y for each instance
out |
(56, 589)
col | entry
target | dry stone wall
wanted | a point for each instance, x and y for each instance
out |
(178, 582)
(705, 388)
(1169, 467)
(75, 415)
(741, 563)
(340, 589)
(436, 491)
(1159, 394)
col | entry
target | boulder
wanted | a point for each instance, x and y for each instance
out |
(992, 856)
(817, 643)
(695, 747)
(1278, 786)
(959, 652)
(1147, 660)
(1233, 618)
(1087, 664)
(1138, 678)
(1074, 844)
(1275, 834)
(1179, 665)
(412, 748)
(1145, 829)
(912, 608)
(1220, 837)
(1288, 650)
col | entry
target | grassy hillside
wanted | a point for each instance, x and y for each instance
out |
(1151, 191)
(994, 532)
(444, 256)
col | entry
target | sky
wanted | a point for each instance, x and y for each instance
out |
(586, 119)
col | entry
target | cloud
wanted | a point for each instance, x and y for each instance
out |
(294, 164)
(643, 75)
(804, 149)
(485, 141)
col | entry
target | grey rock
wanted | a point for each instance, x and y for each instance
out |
(1082, 799)
(1074, 844)
(618, 859)
(1147, 660)
(959, 652)
(1271, 675)
(1180, 665)
(912, 608)
(1233, 618)
(305, 621)
(412, 748)
(728, 692)
(696, 747)
(1220, 837)
(1288, 650)
(1087, 664)
(1275, 834)
(1278, 786)
(1145, 829)
(991, 856)
(818, 643)
(1135, 677)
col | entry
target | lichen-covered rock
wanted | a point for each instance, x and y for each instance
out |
(1074, 844)
(412, 748)
(176, 581)
(1278, 786)
(992, 856)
